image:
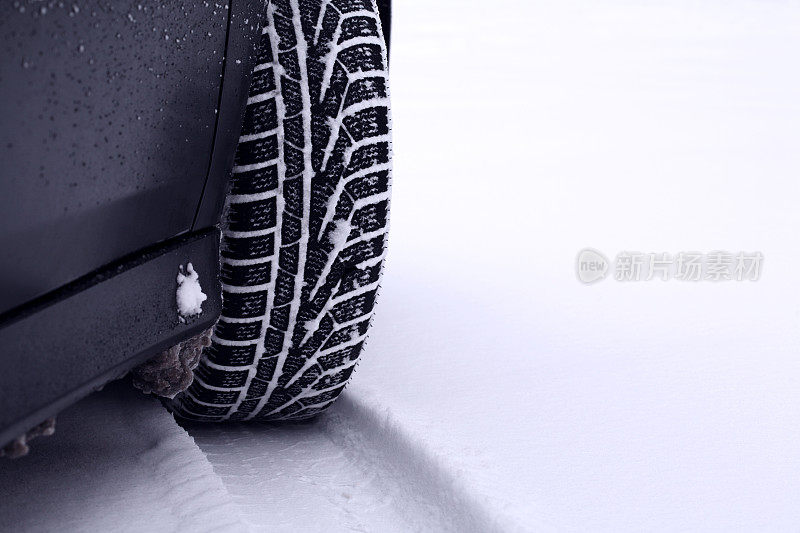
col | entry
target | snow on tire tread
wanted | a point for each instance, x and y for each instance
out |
(304, 233)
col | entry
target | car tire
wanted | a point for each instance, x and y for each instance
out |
(305, 224)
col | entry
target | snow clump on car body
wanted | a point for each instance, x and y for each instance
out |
(190, 295)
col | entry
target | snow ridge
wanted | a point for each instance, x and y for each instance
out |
(427, 493)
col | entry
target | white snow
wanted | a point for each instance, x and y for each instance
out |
(117, 462)
(338, 236)
(538, 129)
(189, 296)
(353, 470)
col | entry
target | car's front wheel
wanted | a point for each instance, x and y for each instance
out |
(304, 229)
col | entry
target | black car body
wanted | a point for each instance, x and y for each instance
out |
(117, 136)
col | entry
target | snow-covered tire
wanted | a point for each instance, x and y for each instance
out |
(304, 230)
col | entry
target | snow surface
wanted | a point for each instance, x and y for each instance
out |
(497, 392)
(117, 462)
(189, 295)
(542, 128)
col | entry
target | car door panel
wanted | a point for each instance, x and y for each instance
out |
(106, 133)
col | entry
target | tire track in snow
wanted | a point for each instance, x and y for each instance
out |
(354, 468)
(428, 495)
